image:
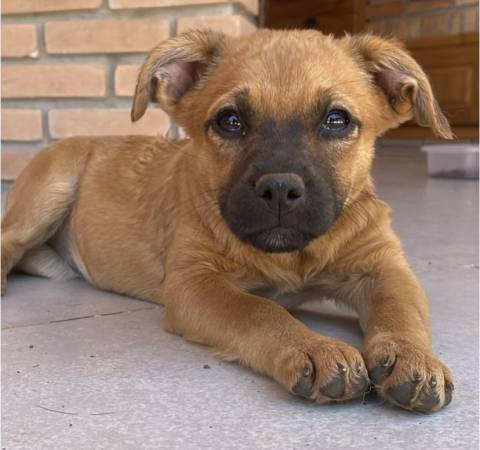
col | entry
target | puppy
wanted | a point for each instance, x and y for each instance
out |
(269, 195)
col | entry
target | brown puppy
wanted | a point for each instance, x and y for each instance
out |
(271, 194)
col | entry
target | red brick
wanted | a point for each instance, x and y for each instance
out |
(233, 25)
(21, 125)
(60, 80)
(36, 6)
(250, 5)
(19, 41)
(13, 162)
(126, 79)
(86, 121)
(105, 36)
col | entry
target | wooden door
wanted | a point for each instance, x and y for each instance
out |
(328, 16)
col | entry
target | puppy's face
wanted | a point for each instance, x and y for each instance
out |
(293, 125)
(288, 121)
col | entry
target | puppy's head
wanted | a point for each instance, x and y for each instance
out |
(285, 121)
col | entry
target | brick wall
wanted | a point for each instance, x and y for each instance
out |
(69, 66)
(411, 19)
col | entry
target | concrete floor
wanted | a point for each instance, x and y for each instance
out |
(84, 369)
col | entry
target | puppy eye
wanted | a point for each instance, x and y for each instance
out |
(336, 120)
(229, 124)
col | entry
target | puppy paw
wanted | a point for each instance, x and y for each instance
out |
(323, 370)
(408, 375)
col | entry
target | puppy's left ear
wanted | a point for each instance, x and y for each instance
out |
(175, 68)
(402, 81)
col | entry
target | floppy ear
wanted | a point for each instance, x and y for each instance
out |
(402, 80)
(175, 67)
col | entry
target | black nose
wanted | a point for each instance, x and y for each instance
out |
(281, 191)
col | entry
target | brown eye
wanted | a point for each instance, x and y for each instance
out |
(229, 124)
(336, 121)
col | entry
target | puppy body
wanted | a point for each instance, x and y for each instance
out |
(184, 223)
(140, 190)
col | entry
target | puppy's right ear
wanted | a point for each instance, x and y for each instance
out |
(174, 68)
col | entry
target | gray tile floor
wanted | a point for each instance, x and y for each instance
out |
(84, 369)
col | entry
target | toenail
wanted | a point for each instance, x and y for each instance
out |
(433, 382)
(386, 362)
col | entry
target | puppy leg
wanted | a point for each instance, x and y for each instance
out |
(393, 311)
(207, 309)
(39, 201)
(44, 261)
(397, 345)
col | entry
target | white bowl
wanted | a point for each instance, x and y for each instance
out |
(452, 160)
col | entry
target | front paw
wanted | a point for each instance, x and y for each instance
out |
(323, 370)
(407, 374)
